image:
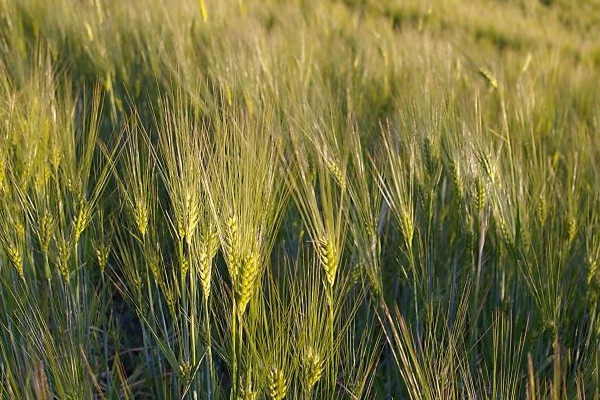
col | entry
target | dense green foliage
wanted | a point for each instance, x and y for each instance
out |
(299, 199)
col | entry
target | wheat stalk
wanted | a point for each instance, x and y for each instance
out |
(246, 390)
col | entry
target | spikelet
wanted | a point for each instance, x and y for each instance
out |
(55, 157)
(69, 184)
(328, 255)
(489, 77)
(542, 210)
(507, 237)
(46, 223)
(179, 218)
(232, 246)
(185, 373)
(140, 215)
(313, 365)
(101, 251)
(246, 281)
(184, 265)
(212, 239)
(64, 253)
(276, 384)
(355, 274)
(19, 229)
(408, 227)
(15, 258)
(40, 178)
(489, 168)
(154, 264)
(208, 249)
(504, 234)
(205, 270)
(571, 229)
(81, 219)
(192, 212)
(26, 175)
(457, 180)
(336, 171)
(480, 194)
(169, 296)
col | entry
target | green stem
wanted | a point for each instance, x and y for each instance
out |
(209, 360)
(233, 352)
(332, 370)
(105, 334)
(182, 288)
(193, 323)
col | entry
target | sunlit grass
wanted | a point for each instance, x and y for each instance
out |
(296, 199)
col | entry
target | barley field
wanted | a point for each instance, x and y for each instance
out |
(299, 199)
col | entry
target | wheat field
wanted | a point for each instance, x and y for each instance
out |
(299, 199)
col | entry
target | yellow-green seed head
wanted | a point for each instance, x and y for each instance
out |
(19, 229)
(180, 225)
(276, 384)
(81, 220)
(169, 296)
(572, 229)
(480, 193)
(62, 261)
(542, 210)
(204, 270)
(489, 168)
(185, 372)
(15, 258)
(154, 265)
(140, 214)
(232, 246)
(55, 157)
(328, 255)
(102, 252)
(208, 249)
(312, 365)
(336, 171)
(184, 265)
(408, 227)
(45, 232)
(489, 77)
(246, 281)
(457, 180)
(507, 237)
(192, 212)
